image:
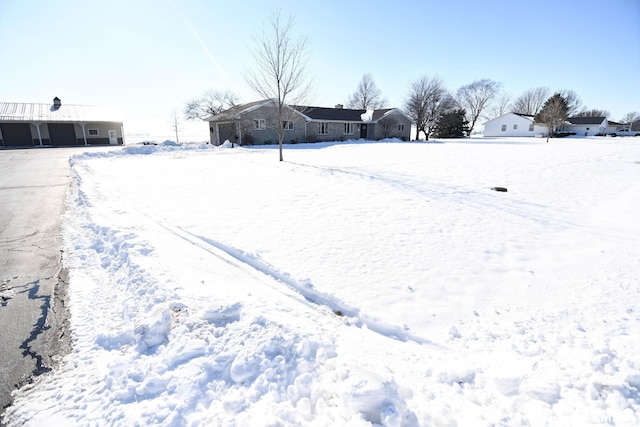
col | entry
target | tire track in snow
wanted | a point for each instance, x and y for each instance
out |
(306, 290)
(303, 291)
(241, 259)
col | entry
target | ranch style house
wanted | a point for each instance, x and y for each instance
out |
(254, 123)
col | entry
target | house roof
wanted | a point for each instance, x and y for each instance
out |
(332, 114)
(32, 112)
(310, 112)
(378, 114)
(524, 116)
(585, 120)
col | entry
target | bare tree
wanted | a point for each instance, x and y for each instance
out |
(554, 112)
(531, 101)
(427, 100)
(594, 112)
(475, 98)
(280, 74)
(501, 105)
(367, 96)
(574, 103)
(211, 102)
(630, 118)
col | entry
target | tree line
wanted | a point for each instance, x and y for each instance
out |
(280, 74)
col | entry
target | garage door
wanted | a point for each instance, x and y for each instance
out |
(62, 134)
(16, 135)
(227, 132)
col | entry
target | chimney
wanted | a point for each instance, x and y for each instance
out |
(339, 106)
(56, 102)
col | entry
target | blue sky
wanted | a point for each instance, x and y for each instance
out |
(150, 57)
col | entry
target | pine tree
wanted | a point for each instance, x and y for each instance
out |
(553, 113)
(453, 124)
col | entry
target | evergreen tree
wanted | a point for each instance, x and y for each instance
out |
(553, 113)
(453, 124)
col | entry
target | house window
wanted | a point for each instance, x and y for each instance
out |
(504, 128)
(531, 127)
(93, 132)
(515, 127)
(401, 127)
(386, 127)
(323, 128)
(259, 124)
(348, 128)
(287, 125)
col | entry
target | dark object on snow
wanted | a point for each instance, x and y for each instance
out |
(504, 190)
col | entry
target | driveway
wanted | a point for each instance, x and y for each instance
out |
(33, 308)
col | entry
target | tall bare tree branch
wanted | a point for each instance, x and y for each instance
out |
(594, 112)
(501, 105)
(631, 118)
(280, 73)
(367, 95)
(211, 102)
(531, 101)
(574, 103)
(426, 101)
(475, 99)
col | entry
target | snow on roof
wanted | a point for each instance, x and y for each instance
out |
(33, 112)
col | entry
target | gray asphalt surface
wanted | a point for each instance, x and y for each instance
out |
(33, 307)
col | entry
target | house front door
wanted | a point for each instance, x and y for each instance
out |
(363, 131)
(113, 137)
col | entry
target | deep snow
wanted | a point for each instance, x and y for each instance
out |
(352, 284)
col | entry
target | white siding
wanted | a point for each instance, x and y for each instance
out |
(504, 126)
(590, 129)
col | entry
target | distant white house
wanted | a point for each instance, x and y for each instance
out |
(585, 126)
(512, 124)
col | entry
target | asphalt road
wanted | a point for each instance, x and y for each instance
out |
(33, 308)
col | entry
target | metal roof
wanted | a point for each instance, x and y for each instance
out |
(31, 112)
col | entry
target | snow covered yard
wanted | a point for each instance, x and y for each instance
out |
(352, 284)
